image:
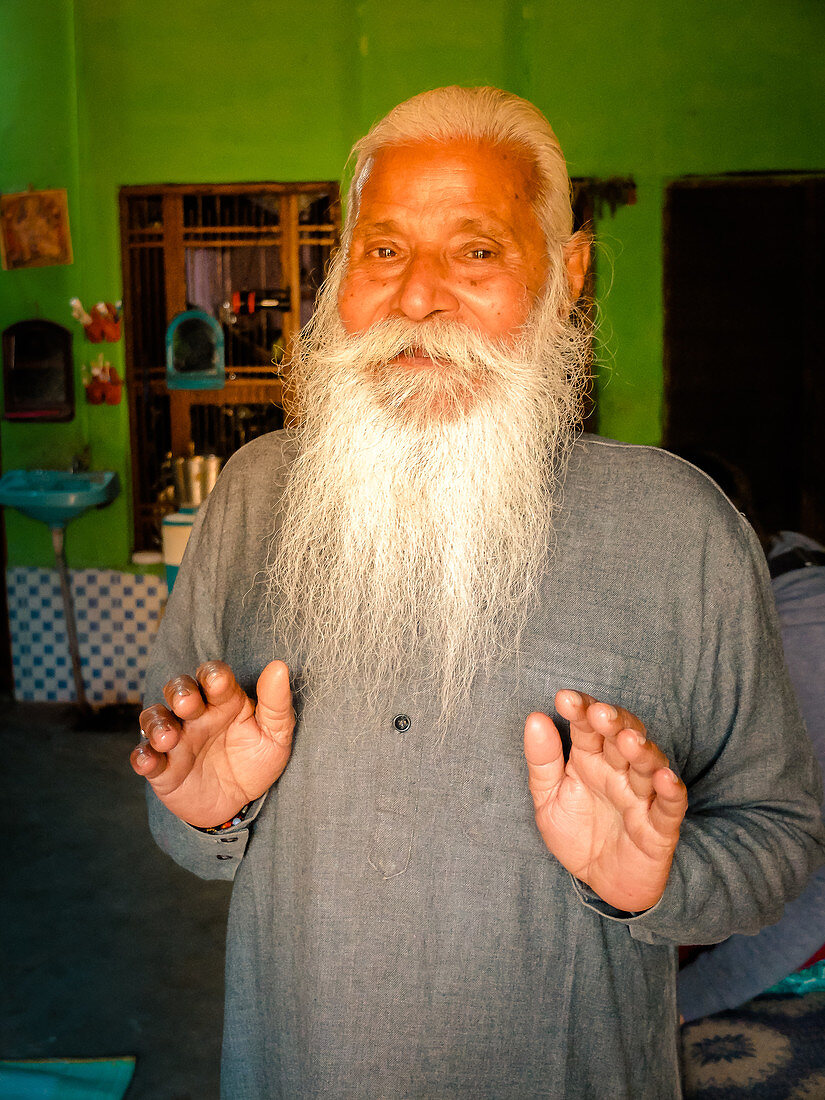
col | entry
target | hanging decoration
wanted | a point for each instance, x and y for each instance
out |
(103, 323)
(102, 383)
(34, 229)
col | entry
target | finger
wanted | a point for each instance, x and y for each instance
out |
(219, 684)
(545, 757)
(574, 706)
(614, 756)
(610, 721)
(146, 761)
(670, 805)
(274, 712)
(644, 759)
(183, 696)
(160, 728)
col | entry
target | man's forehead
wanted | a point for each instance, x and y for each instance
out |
(453, 156)
(485, 223)
(478, 183)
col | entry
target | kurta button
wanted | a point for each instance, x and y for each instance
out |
(401, 722)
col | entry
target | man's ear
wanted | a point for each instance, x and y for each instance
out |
(577, 261)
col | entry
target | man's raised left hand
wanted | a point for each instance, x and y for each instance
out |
(611, 813)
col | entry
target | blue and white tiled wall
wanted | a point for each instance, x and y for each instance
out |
(117, 616)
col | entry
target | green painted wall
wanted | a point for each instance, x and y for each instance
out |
(38, 147)
(97, 94)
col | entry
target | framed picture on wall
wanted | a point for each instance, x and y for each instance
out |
(34, 229)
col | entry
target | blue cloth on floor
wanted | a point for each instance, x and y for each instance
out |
(69, 1079)
(809, 980)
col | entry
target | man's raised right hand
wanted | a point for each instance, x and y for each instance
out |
(211, 750)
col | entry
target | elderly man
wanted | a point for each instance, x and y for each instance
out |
(440, 889)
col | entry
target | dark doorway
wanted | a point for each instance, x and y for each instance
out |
(744, 283)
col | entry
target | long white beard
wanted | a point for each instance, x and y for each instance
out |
(417, 517)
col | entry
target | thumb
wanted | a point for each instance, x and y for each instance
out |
(545, 757)
(274, 713)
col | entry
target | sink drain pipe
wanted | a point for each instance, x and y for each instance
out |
(58, 538)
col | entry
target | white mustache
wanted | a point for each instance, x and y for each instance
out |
(445, 342)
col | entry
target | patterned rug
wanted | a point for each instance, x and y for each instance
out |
(772, 1048)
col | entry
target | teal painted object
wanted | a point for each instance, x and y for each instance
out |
(175, 531)
(56, 497)
(195, 352)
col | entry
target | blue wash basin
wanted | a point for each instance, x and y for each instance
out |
(57, 496)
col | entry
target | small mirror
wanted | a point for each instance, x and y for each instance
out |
(38, 371)
(195, 352)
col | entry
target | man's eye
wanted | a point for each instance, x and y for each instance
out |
(384, 252)
(480, 254)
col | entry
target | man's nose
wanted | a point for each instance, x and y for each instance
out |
(425, 288)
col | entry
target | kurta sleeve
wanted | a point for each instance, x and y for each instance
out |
(744, 966)
(212, 613)
(753, 832)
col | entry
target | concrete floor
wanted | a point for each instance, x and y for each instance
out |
(110, 948)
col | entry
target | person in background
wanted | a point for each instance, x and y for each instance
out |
(440, 676)
(742, 967)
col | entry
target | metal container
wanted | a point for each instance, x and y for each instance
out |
(211, 468)
(195, 477)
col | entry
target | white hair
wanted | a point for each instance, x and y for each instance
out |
(483, 114)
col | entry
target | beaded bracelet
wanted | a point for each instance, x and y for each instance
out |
(236, 820)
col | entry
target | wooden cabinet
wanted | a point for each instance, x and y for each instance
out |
(253, 256)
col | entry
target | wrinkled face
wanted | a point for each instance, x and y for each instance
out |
(445, 231)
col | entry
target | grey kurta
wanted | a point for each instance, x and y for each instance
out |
(398, 928)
